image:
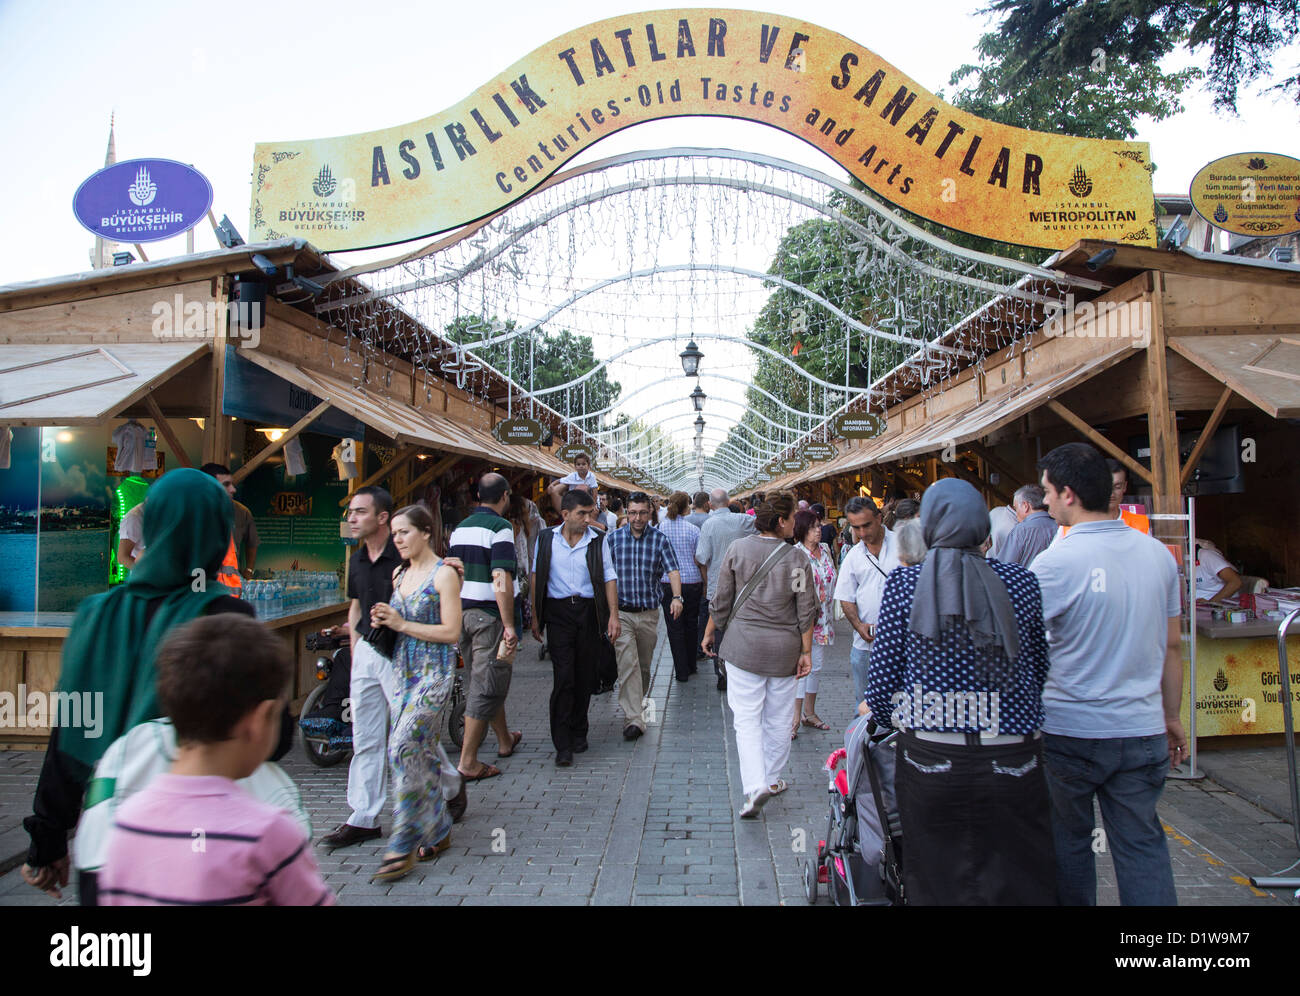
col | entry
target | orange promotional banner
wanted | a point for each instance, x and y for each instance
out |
(500, 143)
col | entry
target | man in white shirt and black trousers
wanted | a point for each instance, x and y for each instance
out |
(575, 596)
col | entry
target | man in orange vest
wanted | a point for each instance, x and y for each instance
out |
(245, 534)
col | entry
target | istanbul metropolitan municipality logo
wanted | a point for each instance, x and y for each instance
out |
(143, 190)
(1220, 681)
(324, 184)
(1080, 184)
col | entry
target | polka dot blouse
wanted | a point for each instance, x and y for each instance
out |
(915, 683)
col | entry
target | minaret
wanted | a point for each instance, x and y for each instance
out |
(101, 256)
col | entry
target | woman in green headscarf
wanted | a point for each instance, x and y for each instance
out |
(111, 647)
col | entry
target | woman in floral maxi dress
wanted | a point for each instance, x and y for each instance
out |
(425, 613)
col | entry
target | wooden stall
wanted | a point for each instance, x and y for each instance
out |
(1210, 343)
(167, 344)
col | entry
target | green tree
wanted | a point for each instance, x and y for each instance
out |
(541, 360)
(1051, 39)
(1100, 98)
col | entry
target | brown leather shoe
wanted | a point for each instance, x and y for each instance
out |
(347, 834)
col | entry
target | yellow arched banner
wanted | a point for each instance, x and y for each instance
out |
(506, 138)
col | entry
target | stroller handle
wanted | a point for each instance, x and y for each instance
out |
(836, 756)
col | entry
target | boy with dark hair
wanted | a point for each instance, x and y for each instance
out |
(193, 837)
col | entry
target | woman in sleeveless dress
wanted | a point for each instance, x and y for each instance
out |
(425, 612)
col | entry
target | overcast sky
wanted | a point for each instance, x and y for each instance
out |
(202, 83)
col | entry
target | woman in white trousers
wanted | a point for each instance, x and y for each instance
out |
(765, 604)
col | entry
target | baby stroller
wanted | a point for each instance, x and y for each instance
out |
(860, 861)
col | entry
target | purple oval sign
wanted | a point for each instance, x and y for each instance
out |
(142, 200)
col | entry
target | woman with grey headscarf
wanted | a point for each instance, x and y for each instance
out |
(958, 665)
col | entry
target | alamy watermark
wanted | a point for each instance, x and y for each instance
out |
(65, 710)
(1100, 320)
(950, 710)
(176, 318)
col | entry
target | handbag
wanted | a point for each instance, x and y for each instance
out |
(763, 571)
(383, 639)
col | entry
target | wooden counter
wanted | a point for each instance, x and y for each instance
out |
(31, 653)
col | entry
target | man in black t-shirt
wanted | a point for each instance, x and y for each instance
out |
(370, 581)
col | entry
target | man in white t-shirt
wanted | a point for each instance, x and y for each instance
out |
(1216, 579)
(1111, 702)
(582, 479)
(861, 584)
(130, 537)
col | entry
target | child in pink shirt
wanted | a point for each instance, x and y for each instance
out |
(193, 837)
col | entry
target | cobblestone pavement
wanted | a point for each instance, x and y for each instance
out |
(652, 822)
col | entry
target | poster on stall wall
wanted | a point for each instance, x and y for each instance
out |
(298, 517)
(1238, 686)
(19, 506)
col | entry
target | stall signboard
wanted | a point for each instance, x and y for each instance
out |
(1250, 193)
(571, 451)
(858, 425)
(520, 431)
(605, 463)
(519, 128)
(624, 473)
(794, 464)
(142, 200)
(819, 452)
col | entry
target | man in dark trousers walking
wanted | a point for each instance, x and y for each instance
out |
(575, 597)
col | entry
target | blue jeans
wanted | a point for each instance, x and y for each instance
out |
(859, 662)
(1127, 776)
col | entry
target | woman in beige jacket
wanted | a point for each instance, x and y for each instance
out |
(767, 644)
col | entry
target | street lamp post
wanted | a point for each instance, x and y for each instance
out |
(697, 398)
(691, 357)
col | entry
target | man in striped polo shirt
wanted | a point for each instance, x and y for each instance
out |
(486, 543)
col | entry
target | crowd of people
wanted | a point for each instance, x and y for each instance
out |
(1029, 657)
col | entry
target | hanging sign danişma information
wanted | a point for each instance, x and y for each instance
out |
(499, 144)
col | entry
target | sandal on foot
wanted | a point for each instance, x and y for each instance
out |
(816, 722)
(433, 850)
(398, 866)
(516, 737)
(487, 771)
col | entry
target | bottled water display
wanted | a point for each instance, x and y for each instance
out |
(292, 591)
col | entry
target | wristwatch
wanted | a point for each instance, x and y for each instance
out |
(677, 598)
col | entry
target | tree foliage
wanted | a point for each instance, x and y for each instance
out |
(542, 360)
(1054, 38)
(1099, 98)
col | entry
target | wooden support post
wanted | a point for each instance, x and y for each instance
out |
(1100, 441)
(427, 475)
(216, 435)
(405, 454)
(993, 462)
(960, 471)
(1206, 435)
(1162, 427)
(275, 447)
(165, 431)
